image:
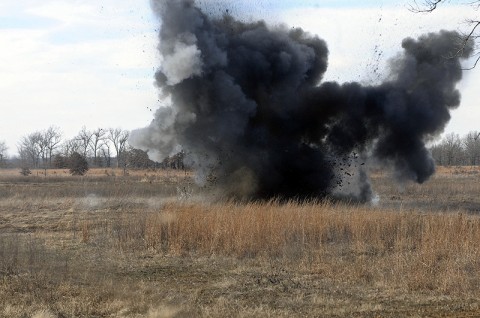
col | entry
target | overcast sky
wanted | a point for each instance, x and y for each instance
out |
(91, 62)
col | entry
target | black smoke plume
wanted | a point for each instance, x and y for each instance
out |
(250, 110)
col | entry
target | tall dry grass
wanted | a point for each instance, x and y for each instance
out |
(411, 250)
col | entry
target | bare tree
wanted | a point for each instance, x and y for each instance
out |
(52, 139)
(3, 153)
(71, 146)
(105, 150)
(31, 149)
(453, 149)
(119, 139)
(84, 138)
(438, 154)
(43, 147)
(98, 136)
(123, 145)
(428, 6)
(471, 143)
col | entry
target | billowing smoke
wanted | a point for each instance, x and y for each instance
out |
(250, 110)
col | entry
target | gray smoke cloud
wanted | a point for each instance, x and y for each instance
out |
(249, 108)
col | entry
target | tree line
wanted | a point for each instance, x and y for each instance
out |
(454, 150)
(101, 147)
(108, 147)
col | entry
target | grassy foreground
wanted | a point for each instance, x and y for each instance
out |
(152, 245)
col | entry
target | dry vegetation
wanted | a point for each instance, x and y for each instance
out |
(149, 245)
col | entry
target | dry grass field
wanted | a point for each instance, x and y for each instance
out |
(152, 244)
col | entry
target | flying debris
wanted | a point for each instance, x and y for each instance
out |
(256, 91)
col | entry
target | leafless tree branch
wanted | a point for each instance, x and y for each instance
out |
(474, 65)
(426, 7)
(429, 6)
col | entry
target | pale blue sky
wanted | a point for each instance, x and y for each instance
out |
(91, 62)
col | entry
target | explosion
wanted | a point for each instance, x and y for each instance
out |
(249, 107)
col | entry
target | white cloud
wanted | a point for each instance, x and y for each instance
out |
(92, 81)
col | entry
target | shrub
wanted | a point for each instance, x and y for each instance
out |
(25, 171)
(78, 164)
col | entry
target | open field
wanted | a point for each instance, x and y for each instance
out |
(152, 244)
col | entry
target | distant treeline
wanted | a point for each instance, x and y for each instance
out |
(108, 147)
(102, 147)
(454, 150)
